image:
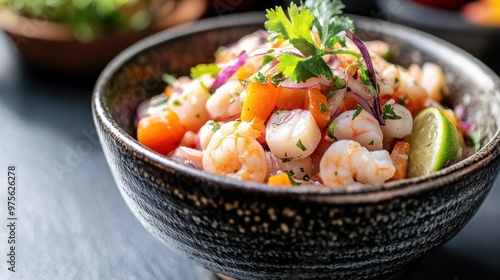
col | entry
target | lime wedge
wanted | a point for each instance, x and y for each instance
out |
(433, 142)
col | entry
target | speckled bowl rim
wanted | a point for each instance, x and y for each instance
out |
(369, 194)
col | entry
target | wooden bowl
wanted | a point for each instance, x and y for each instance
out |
(252, 231)
(51, 46)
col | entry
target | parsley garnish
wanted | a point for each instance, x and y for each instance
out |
(322, 108)
(286, 159)
(388, 113)
(290, 173)
(213, 125)
(330, 131)
(402, 100)
(202, 69)
(301, 146)
(277, 79)
(358, 111)
(338, 82)
(258, 77)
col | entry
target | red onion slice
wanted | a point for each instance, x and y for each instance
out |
(364, 97)
(228, 71)
(377, 110)
(275, 51)
(310, 83)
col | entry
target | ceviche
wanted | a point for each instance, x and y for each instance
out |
(306, 102)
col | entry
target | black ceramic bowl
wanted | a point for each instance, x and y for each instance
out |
(252, 231)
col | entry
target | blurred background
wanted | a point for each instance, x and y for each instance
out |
(96, 30)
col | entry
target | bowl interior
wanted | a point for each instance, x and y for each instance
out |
(136, 74)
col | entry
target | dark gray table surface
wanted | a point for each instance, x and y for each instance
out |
(73, 224)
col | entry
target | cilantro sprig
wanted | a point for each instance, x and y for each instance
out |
(296, 27)
(332, 28)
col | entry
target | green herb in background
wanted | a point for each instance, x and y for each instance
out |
(87, 18)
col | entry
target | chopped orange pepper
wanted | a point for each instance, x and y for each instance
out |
(168, 91)
(260, 101)
(399, 156)
(161, 133)
(349, 103)
(282, 180)
(318, 106)
(290, 99)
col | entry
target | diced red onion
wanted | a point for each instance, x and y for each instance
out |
(310, 83)
(227, 72)
(467, 127)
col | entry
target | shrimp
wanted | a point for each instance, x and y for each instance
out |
(189, 105)
(225, 103)
(233, 151)
(292, 134)
(389, 79)
(410, 93)
(399, 125)
(188, 156)
(433, 81)
(346, 162)
(363, 129)
(206, 132)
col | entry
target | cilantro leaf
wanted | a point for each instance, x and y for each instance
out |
(357, 112)
(296, 27)
(330, 25)
(331, 131)
(213, 125)
(202, 69)
(300, 69)
(300, 145)
(388, 113)
(258, 77)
